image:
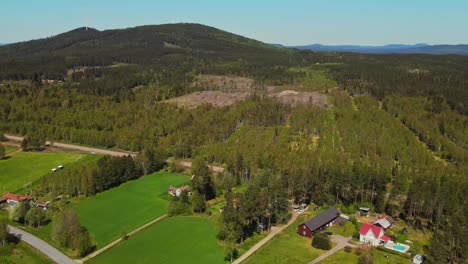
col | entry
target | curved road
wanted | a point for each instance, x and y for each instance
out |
(42, 246)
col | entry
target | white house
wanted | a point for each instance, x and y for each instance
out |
(372, 235)
(177, 191)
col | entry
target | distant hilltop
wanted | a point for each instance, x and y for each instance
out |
(461, 49)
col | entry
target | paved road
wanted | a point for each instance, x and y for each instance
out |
(340, 242)
(42, 246)
(81, 148)
(274, 231)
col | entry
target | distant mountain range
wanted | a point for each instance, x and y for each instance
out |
(461, 49)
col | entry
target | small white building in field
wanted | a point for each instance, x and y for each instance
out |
(418, 259)
(177, 191)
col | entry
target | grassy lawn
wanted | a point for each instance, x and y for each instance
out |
(10, 149)
(28, 167)
(288, 246)
(126, 207)
(173, 240)
(419, 238)
(379, 257)
(341, 257)
(21, 254)
(345, 230)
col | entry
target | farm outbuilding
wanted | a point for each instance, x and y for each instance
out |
(385, 222)
(318, 223)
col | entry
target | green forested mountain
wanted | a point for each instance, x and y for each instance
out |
(144, 45)
(392, 134)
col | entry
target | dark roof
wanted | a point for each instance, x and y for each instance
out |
(322, 219)
(341, 220)
(390, 219)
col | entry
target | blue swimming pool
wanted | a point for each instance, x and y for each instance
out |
(399, 247)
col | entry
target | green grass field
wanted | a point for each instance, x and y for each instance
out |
(314, 79)
(341, 257)
(28, 167)
(21, 254)
(10, 149)
(173, 240)
(127, 207)
(287, 247)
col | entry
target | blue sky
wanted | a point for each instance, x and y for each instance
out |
(293, 22)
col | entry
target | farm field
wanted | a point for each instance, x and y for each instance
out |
(172, 240)
(287, 247)
(126, 207)
(28, 167)
(21, 253)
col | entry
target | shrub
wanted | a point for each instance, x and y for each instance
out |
(321, 241)
(367, 256)
(358, 251)
(348, 249)
(180, 205)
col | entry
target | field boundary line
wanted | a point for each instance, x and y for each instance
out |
(115, 242)
(265, 240)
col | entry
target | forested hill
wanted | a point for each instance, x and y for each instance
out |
(155, 45)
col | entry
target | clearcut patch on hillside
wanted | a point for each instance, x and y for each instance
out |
(220, 90)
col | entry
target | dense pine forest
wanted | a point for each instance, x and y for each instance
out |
(393, 135)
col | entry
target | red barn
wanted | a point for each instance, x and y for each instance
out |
(318, 223)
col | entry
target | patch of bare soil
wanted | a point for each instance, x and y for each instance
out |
(227, 90)
(9, 143)
(216, 98)
(295, 98)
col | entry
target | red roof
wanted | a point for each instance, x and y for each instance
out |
(15, 197)
(365, 229)
(385, 238)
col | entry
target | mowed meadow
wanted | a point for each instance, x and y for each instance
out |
(20, 254)
(28, 167)
(122, 209)
(287, 246)
(172, 240)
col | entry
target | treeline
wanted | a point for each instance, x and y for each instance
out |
(98, 175)
(66, 115)
(69, 233)
(264, 204)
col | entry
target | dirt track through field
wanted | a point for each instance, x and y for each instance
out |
(97, 252)
(274, 231)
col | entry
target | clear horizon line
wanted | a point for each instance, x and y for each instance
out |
(267, 42)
